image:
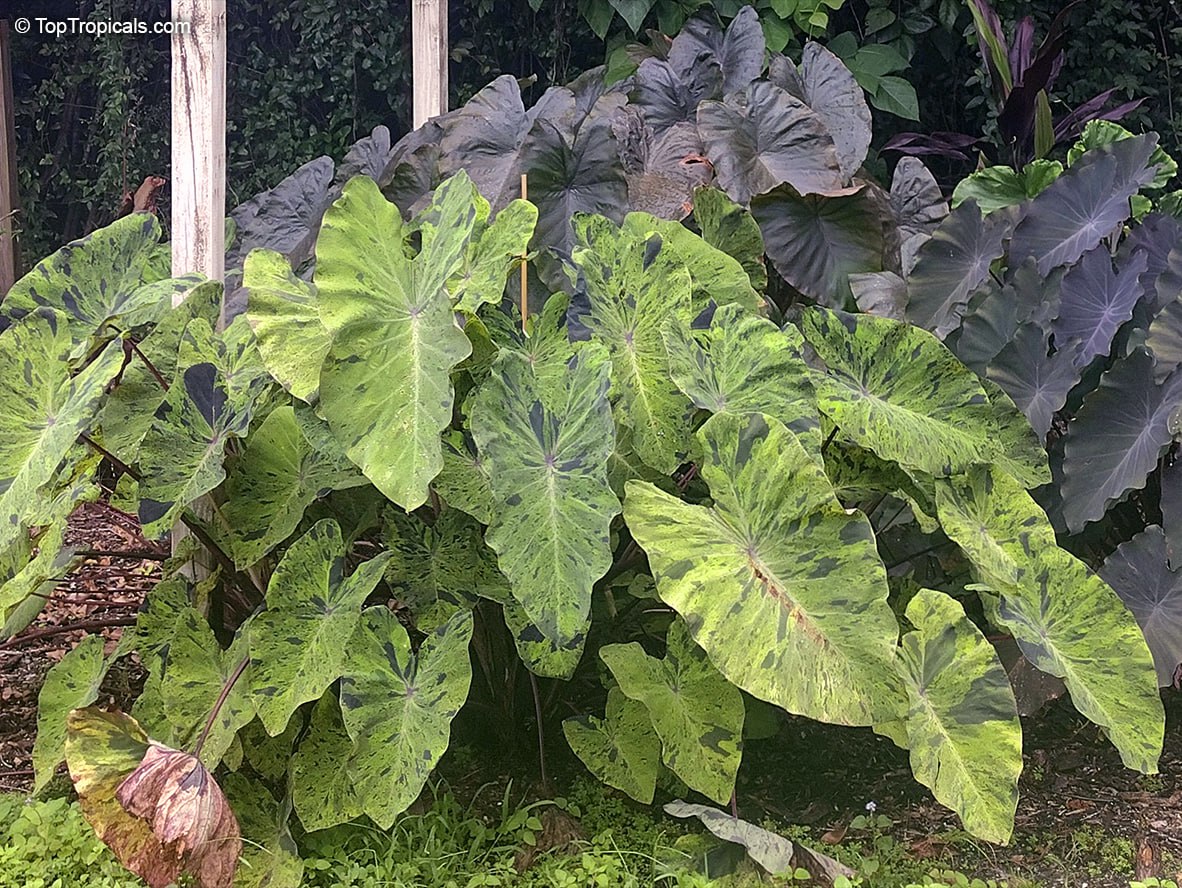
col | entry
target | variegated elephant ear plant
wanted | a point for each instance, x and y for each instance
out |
(673, 508)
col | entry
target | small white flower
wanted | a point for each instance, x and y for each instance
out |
(871, 807)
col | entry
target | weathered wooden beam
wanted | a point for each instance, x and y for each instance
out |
(9, 197)
(199, 138)
(428, 25)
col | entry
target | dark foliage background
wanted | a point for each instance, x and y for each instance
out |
(309, 77)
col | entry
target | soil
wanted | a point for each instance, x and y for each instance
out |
(1083, 820)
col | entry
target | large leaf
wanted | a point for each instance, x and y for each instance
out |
(621, 749)
(817, 242)
(283, 310)
(495, 249)
(633, 284)
(1095, 301)
(270, 857)
(322, 788)
(1067, 621)
(1038, 382)
(285, 218)
(835, 96)
(298, 644)
(738, 51)
(546, 441)
(696, 712)
(997, 187)
(128, 411)
(717, 278)
(780, 585)
(569, 175)
(763, 137)
(729, 227)
(1117, 438)
(897, 391)
(385, 387)
(195, 676)
(42, 410)
(398, 707)
(278, 475)
(211, 400)
(103, 277)
(951, 265)
(1084, 204)
(962, 722)
(1139, 571)
(745, 364)
(485, 138)
(73, 683)
(669, 94)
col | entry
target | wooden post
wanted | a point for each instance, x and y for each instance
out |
(199, 164)
(199, 139)
(428, 25)
(9, 199)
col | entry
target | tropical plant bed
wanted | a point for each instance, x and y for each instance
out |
(1082, 817)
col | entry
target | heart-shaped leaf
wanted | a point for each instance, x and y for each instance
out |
(298, 645)
(810, 632)
(621, 749)
(1095, 301)
(73, 683)
(697, 713)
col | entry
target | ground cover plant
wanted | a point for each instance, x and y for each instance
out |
(657, 491)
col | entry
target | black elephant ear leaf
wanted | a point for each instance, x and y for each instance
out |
(1171, 511)
(1139, 572)
(410, 179)
(286, 218)
(662, 171)
(738, 52)
(881, 293)
(817, 242)
(1117, 438)
(486, 138)
(1037, 382)
(1084, 204)
(583, 176)
(784, 74)
(763, 137)
(1165, 339)
(952, 264)
(667, 95)
(919, 206)
(369, 156)
(833, 93)
(1096, 300)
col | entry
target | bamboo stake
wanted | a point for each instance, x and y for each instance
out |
(524, 293)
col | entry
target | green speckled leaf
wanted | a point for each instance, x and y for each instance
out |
(27, 579)
(398, 707)
(717, 277)
(696, 712)
(541, 655)
(42, 410)
(71, 684)
(102, 277)
(621, 749)
(196, 671)
(962, 722)
(298, 644)
(385, 387)
(270, 858)
(634, 285)
(493, 252)
(463, 481)
(128, 411)
(745, 364)
(780, 585)
(284, 312)
(729, 227)
(322, 787)
(858, 474)
(1067, 620)
(546, 448)
(218, 384)
(277, 476)
(438, 569)
(897, 391)
(1020, 451)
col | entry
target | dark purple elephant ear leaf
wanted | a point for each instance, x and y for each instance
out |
(1096, 300)
(1084, 204)
(1037, 382)
(1171, 510)
(738, 51)
(1139, 572)
(158, 809)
